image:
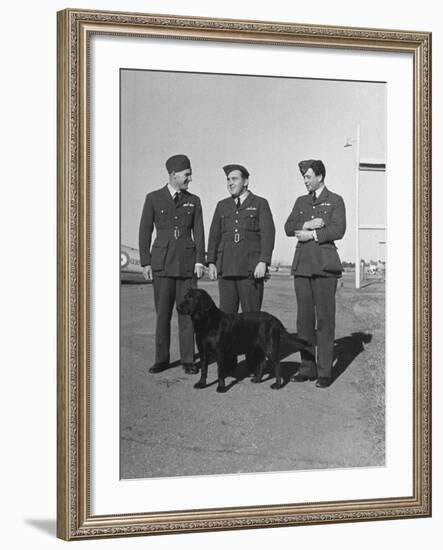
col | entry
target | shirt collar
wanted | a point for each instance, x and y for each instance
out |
(243, 196)
(172, 190)
(319, 191)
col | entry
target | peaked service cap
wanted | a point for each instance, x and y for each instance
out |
(231, 167)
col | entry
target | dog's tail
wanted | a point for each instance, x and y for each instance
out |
(295, 339)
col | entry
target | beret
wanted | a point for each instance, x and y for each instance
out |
(230, 167)
(317, 166)
(177, 163)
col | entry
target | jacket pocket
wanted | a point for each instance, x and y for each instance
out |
(251, 222)
(158, 255)
(162, 218)
(326, 214)
(330, 260)
(188, 217)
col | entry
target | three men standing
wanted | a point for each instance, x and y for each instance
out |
(176, 258)
(241, 241)
(317, 220)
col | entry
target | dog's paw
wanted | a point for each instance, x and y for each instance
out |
(276, 386)
(255, 380)
(199, 385)
(222, 389)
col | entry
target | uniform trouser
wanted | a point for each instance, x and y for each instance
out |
(168, 290)
(316, 323)
(245, 291)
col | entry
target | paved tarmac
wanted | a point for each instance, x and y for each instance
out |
(168, 428)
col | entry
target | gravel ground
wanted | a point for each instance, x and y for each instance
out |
(168, 428)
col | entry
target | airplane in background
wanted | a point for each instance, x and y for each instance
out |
(130, 269)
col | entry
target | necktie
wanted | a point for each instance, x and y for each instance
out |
(176, 197)
(237, 202)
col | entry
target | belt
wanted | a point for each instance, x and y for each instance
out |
(249, 236)
(176, 232)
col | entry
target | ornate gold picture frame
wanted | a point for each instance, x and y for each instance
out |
(76, 517)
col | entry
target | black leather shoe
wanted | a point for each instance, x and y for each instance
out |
(302, 378)
(323, 383)
(159, 367)
(190, 368)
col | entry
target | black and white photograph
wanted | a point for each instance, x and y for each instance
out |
(221, 332)
(252, 273)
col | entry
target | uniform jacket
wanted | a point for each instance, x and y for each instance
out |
(241, 237)
(318, 257)
(179, 242)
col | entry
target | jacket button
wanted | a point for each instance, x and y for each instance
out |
(236, 221)
(236, 230)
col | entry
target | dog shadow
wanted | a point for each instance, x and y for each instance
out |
(346, 349)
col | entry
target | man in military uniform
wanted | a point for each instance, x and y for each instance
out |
(176, 258)
(317, 220)
(241, 241)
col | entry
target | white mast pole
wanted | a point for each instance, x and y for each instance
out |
(357, 206)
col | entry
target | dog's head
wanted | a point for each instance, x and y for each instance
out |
(196, 301)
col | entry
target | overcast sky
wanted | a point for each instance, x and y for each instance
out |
(267, 124)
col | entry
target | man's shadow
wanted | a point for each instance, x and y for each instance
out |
(346, 349)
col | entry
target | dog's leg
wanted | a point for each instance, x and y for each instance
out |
(251, 362)
(274, 359)
(261, 363)
(203, 374)
(278, 378)
(203, 366)
(223, 362)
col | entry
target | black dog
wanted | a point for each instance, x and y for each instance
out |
(256, 334)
